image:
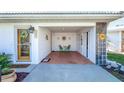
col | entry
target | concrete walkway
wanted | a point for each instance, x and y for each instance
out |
(69, 73)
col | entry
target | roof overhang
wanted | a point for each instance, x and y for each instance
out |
(103, 16)
(114, 29)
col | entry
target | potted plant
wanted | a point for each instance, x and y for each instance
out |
(8, 74)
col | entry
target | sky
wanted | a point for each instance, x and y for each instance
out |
(61, 5)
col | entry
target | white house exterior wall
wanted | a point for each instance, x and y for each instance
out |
(7, 43)
(91, 43)
(70, 40)
(44, 45)
(8, 38)
(115, 29)
(117, 25)
(114, 39)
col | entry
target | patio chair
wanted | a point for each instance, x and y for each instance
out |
(68, 48)
(60, 48)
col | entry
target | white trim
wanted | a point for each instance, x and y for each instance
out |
(76, 24)
(114, 29)
(47, 24)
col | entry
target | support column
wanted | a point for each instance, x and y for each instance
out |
(101, 54)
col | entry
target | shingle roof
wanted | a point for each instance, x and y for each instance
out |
(56, 12)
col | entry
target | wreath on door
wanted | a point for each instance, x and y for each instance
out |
(24, 35)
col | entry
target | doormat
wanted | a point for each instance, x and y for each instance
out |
(47, 59)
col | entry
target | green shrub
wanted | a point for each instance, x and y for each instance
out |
(5, 62)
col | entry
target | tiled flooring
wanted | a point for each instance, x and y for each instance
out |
(67, 58)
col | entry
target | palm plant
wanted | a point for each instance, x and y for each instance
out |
(5, 62)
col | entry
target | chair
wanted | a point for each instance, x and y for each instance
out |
(60, 48)
(68, 48)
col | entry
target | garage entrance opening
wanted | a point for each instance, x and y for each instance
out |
(70, 45)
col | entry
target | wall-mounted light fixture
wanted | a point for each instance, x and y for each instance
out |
(31, 29)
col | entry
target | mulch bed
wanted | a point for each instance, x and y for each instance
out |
(117, 74)
(21, 76)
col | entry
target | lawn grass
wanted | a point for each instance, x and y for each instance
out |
(116, 57)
